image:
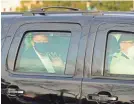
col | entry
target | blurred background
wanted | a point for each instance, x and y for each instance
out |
(101, 5)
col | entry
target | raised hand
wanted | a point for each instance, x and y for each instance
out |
(56, 60)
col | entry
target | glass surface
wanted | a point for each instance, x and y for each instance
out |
(120, 53)
(43, 52)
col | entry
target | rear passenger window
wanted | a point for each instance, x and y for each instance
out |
(120, 53)
(43, 52)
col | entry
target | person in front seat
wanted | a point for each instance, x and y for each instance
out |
(123, 61)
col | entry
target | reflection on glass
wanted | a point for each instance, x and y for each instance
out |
(43, 52)
(120, 53)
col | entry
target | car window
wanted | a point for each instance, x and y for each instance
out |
(120, 53)
(43, 52)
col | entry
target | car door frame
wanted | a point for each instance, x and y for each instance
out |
(19, 79)
(101, 45)
(84, 22)
(94, 80)
(39, 27)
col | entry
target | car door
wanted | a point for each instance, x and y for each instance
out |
(25, 64)
(100, 84)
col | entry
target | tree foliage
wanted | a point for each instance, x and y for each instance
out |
(100, 5)
(114, 5)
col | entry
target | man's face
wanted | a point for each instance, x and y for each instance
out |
(125, 45)
(40, 39)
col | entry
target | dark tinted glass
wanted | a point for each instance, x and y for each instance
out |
(120, 53)
(43, 52)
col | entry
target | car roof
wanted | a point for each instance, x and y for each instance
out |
(71, 16)
(71, 13)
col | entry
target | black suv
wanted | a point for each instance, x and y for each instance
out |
(74, 57)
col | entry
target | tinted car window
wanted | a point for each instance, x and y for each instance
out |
(43, 52)
(120, 53)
